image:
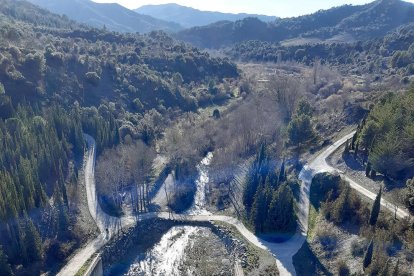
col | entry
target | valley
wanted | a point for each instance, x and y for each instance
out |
(169, 140)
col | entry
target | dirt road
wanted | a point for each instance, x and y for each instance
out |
(283, 252)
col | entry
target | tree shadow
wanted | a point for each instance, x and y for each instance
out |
(306, 263)
(353, 163)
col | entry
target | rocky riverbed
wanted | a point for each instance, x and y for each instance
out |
(160, 247)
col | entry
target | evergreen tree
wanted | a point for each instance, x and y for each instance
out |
(258, 211)
(375, 209)
(4, 265)
(281, 212)
(32, 242)
(368, 255)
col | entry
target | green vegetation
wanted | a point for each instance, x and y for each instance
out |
(383, 244)
(391, 53)
(386, 139)
(267, 197)
(368, 255)
(364, 22)
(58, 80)
(375, 211)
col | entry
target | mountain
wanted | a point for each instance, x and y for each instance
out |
(60, 79)
(113, 16)
(340, 24)
(190, 17)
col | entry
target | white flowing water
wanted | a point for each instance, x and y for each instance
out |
(167, 256)
(198, 206)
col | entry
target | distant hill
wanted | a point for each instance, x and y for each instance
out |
(189, 17)
(340, 24)
(113, 16)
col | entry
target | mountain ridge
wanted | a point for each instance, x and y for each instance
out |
(112, 16)
(354, 23)
(190, 17)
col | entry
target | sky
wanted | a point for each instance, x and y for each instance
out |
(281, 8)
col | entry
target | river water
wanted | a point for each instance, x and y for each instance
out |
(167, 257)
(199, 205)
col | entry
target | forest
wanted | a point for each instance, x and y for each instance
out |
(271, 98)
(59, 80)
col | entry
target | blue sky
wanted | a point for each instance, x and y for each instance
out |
(281, 8)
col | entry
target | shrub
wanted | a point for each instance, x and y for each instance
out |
(357, 248)
(343, 269)
(92, 78)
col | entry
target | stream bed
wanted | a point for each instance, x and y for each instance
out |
(184, 250)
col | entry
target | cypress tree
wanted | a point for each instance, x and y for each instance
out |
(258, 211)
(368, 255)
(376, 207)
(32, 241)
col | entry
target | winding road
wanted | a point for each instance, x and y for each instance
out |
(283, 252)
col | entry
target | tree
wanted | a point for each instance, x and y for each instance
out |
(368, 255)
(32, 242)
(300, 130)
(216, 114)
(375, 209)
(281, 211)
(258, 211)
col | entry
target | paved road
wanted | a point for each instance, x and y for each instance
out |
(283, 252)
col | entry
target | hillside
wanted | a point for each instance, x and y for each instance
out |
(190, 17)
(58, 80)
(341, 24)
(384, 56)
(112, 16)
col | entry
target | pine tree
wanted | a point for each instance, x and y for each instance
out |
(368, 255)
(375, 209)
(4, 265)
(32, 242)
(258, 211)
